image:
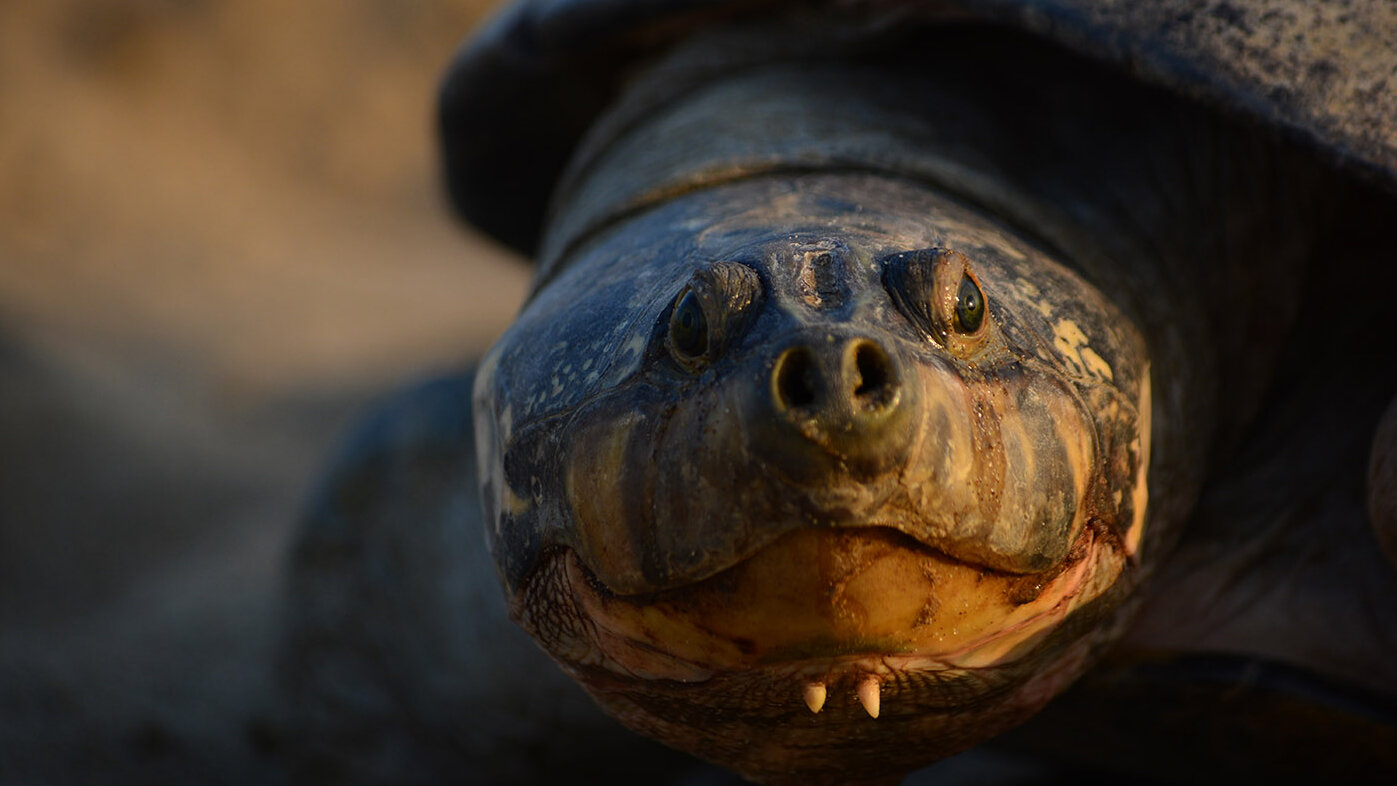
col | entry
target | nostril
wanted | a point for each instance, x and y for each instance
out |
(874, 381)
(794, 383)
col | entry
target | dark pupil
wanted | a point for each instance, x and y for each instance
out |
(689, 328)
(970, 306)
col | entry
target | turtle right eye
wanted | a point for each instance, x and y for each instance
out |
(970, 305)
(940, 295)
(688, 327)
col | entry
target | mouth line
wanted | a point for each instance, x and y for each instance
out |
(628, 633)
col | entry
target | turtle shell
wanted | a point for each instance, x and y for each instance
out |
(521, 94)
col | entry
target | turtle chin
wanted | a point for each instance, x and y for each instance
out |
(831, 655)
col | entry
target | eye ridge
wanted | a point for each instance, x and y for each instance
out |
(970, 305)
(908, 279)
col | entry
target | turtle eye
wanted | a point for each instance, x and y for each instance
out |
(970, 306)
(940, 295)
(710, 313)
(688, 326)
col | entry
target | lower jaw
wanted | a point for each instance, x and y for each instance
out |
(871, 698)
(751, 723)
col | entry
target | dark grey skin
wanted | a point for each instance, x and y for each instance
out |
(1207, 237)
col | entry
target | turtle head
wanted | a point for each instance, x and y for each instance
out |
(816, 474)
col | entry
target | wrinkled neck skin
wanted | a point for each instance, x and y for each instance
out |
(758, 473)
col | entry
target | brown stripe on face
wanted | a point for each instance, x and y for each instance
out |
(605, 481)
(1050, 457)
(1001, 474)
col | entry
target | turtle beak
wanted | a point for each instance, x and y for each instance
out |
(835, 404)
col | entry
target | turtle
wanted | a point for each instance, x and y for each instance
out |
(896, 377)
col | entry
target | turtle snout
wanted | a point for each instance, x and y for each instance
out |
(844, 397)
(859, 386)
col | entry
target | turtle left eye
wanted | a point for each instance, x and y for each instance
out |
(688, 326)
(970, 306)
(710, 312)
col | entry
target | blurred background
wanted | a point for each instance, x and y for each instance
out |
(222, 235)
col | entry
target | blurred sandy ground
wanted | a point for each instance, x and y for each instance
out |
(221, 235)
